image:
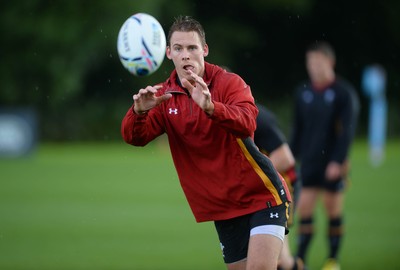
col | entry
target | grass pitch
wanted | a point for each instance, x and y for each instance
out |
(113, 206)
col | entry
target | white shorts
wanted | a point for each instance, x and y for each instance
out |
(275, 230)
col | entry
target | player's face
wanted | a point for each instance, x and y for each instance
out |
(319, 66)
(187, 53)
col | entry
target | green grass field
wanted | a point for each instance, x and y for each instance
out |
(113, 206)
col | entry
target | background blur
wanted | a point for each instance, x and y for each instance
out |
(83, 199)
(59, 58)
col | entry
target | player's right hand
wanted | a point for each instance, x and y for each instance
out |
(146, 99)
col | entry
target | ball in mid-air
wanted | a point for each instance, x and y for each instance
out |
(141, 44)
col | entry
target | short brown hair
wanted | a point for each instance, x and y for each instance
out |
(187, 24)
(323, 47)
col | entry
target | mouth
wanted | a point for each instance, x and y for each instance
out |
(188, 67)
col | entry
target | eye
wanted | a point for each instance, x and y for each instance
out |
(178, 49)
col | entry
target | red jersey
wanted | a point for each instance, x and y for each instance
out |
(220, 170)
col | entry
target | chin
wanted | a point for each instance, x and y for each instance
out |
(185, 75)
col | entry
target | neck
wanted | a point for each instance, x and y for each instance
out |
(322, 83)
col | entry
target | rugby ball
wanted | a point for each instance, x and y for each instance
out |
(141, 44)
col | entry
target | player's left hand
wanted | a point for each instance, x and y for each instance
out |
(199, 92)
(334, 171)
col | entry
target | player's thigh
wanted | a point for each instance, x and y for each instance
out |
(286, 259)
(237, 265)
(307, 201)
(263, 253)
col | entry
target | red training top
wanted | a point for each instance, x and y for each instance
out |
(222, 173)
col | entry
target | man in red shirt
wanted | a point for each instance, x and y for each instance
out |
(209, 116)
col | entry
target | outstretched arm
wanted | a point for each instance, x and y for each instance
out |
(138, 126)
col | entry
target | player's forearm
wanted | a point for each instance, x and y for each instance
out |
(133, 128)
(238, 119)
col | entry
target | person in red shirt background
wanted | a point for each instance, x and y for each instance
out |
(209, 116)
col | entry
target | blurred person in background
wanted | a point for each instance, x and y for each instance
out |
(271, 141)
(325, 118)
(209, 116)
(374, 87)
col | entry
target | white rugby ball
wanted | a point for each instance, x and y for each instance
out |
(141, 44)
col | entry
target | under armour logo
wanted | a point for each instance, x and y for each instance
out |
(272, 215)
(222, 249)
(173, 111)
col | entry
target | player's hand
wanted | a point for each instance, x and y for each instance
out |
(146, 99)
(334, 171)
(199, 92)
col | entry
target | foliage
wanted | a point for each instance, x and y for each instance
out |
(53, 49)
(59, 57)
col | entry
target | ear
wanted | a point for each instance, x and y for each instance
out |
(205, 50)
(333, 62)
(168, 52)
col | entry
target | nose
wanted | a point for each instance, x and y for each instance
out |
(185, 55)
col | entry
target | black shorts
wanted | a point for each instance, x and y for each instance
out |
(234, 234)
(318, 179)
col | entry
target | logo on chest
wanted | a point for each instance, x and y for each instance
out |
(329, 96)
(172, 110)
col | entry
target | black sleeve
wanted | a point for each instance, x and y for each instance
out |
(266, 166)
(347, 115)
(267, 136)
